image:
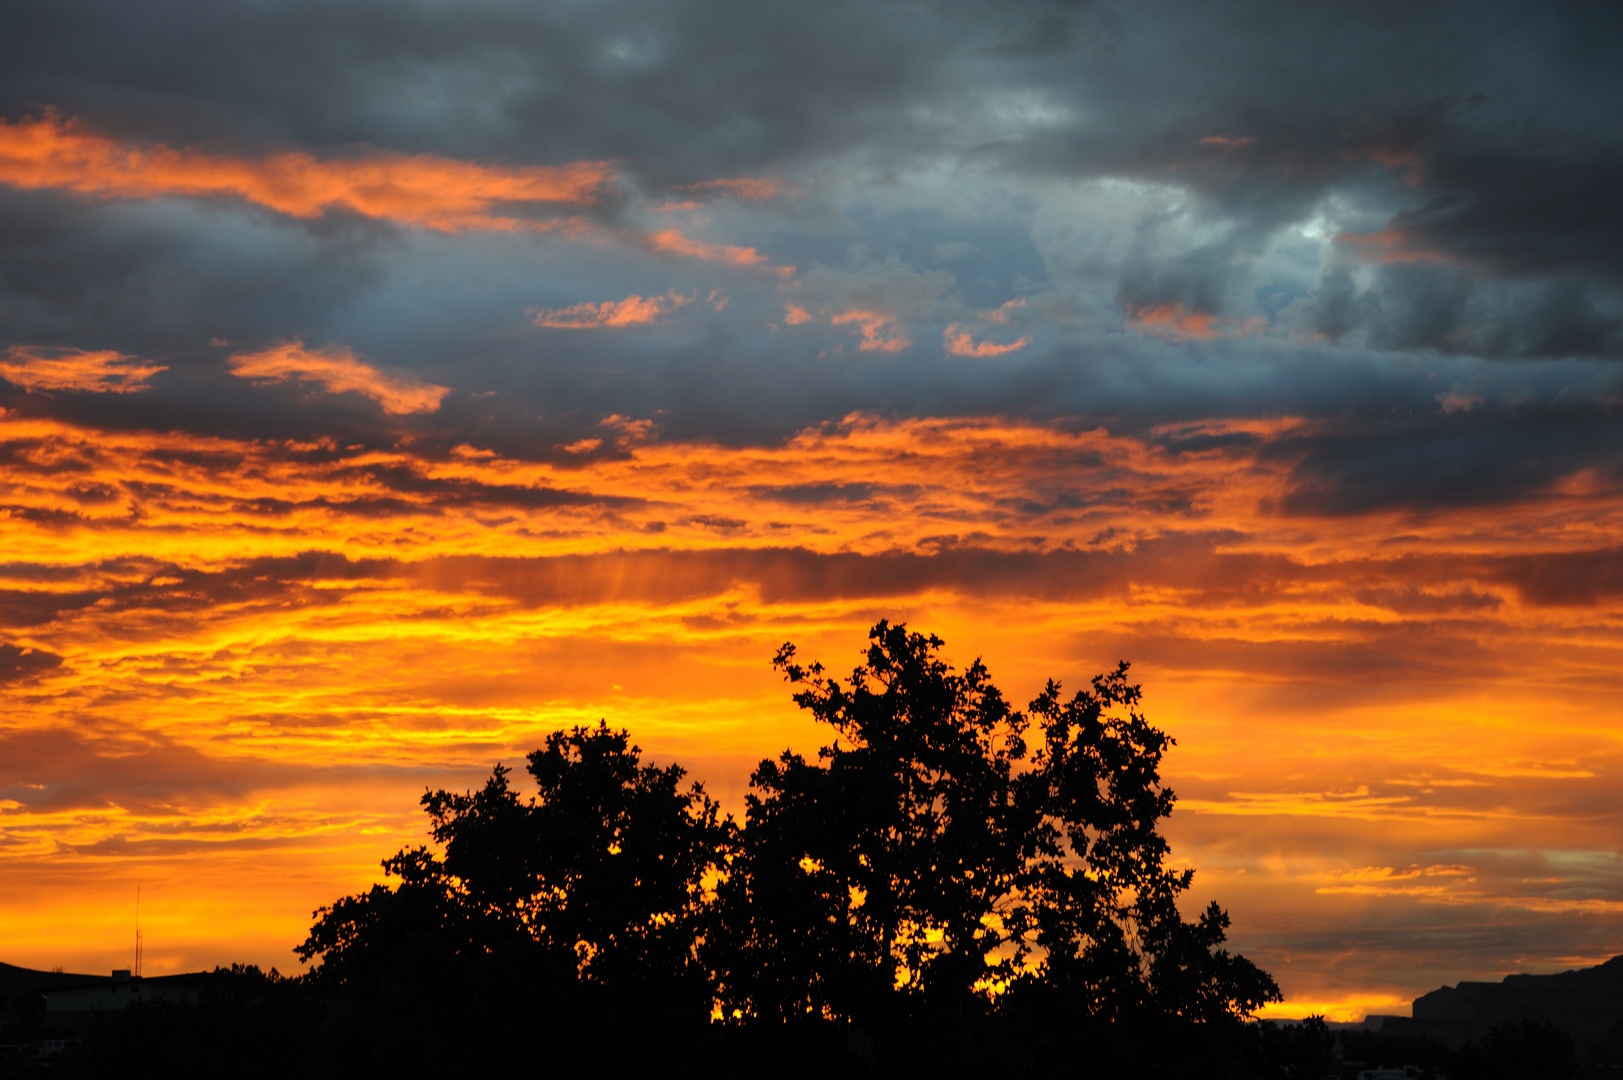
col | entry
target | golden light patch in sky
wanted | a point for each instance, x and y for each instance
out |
(264, 650)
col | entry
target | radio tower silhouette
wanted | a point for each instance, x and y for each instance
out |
(137, 972)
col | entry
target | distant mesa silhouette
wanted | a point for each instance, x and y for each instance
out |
(1587, 1003)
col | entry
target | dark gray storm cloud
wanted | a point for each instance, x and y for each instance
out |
(1175, 209)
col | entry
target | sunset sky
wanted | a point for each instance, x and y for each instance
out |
(383, 386)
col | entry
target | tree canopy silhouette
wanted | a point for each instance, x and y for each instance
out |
(949, 868)
(584, 901)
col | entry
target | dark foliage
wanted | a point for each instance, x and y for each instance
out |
(1525, 1051)
(566, 917)
(1528, 1050)
(952, 890)
(1374, 1049)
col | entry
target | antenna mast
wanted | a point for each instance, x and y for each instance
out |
(137, 971)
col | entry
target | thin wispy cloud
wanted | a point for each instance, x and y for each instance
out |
(69, 369)
(961, 342)
(337, 371)
(421, 190)
(611, 314)
(675, 242)
(880, 332)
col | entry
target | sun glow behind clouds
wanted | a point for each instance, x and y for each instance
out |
(235, 662)
(288, 639)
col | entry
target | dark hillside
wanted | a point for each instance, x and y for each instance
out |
(1587, 1003)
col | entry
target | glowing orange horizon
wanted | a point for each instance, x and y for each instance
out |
(291, 638)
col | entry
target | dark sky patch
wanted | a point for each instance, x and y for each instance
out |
(19, 662)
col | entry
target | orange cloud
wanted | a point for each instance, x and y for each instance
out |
(1172, 321)
(632, 311)
(107, 372)
(673, 242)
(419, 190)
(960, 342)
(794, 315)
(629, 432)
(880, 332)
(337, 371)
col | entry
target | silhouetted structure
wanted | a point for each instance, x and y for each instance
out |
(75, 1006)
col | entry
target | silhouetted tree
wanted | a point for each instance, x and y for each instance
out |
(1305, 1050)
(928, 869)
(1388, 1049)
(867, 881)
(1529, 1050)
(931, 891)
(575, 908)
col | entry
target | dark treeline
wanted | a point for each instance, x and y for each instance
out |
(952, 888)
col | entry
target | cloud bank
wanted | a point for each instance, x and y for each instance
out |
(381, 388)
